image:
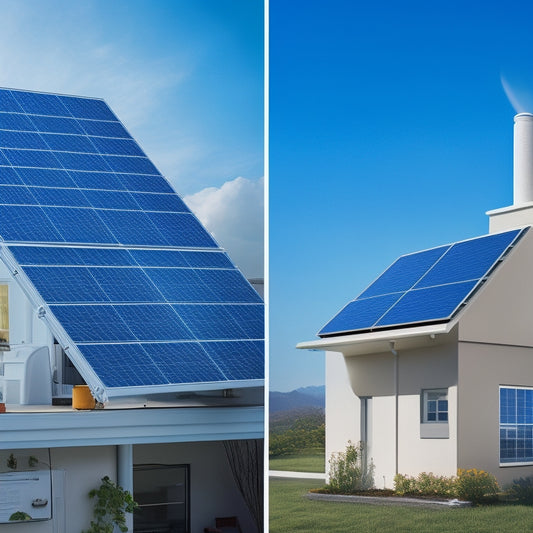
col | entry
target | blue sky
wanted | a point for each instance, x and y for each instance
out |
(185, 77)
(390, 132)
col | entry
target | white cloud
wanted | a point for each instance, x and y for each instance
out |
(41, 51)
(233, 213)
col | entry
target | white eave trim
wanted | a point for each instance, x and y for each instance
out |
(377, 341)
(130, 426)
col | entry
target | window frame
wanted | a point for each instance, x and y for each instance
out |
(434, 429)
(187, 489)
(509, 425)
(438, 410)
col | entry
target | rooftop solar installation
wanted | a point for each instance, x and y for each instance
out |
(138, 293)
(423, 287)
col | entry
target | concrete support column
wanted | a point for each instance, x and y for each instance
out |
(125, 474)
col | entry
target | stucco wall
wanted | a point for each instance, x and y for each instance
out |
(482, 369)
(75, 471)
(213, 490)
(342, 407)
(373, 375)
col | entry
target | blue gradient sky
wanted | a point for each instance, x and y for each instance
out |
(185, 77)
(390, 132)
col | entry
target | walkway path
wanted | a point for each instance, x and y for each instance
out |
(297, 475)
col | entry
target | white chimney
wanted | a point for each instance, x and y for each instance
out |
(520, 214)
(523, 159)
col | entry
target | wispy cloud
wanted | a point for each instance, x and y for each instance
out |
(41, 50)
(234, 215)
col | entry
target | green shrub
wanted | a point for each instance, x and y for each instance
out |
(112, 504)
(475, 485)
(522, 490)
(404, 484)
(426, 484)
(349, 471)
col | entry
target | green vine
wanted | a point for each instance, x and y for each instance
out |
(112, 502)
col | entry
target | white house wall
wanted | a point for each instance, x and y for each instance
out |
(373, 375)
(75, 471)
(213, 490)
(495, 348)
(342, 407)
(24, 325)
(502, 311)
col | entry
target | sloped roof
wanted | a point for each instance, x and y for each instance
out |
(132, 286)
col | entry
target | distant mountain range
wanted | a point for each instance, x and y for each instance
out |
(313, 397)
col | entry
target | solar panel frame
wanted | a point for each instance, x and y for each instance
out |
(77, 183)
(446, 271)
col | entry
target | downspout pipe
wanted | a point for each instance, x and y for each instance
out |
(396, 387)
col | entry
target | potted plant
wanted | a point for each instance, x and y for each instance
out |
(110, 508)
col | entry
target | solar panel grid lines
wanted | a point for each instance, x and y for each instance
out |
(112, 255)
(427, 286)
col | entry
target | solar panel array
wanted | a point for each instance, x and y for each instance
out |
(427, 286)
(132, 277)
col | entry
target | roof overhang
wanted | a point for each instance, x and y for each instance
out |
(380, 341)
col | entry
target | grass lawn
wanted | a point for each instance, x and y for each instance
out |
(290, 511)
(306, 462)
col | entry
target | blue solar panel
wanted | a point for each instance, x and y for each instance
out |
(160, 202)
(41, 104)
(118, 260)
(78, 225)
(15, 195)
(15, 139)
(108, 357)
(9, 176)
(111, 199)
(46, 255)
(107, 145)
(45, 177)
(66, 143)
(144, 183)
(96, 180)
(66, 284)
(27, 223)
(90, 323)
(180, 285)
(182, 229)
(153, 322)
(8, 102)
(87, 108)
(229, 357)
(163, 258)
(59, 197)
(184, 362)
(55, 124)
(126, 285)
(468, 260)
(104, 129)
(422, 305)
(207, 259)
(15, 121)
(427, 286)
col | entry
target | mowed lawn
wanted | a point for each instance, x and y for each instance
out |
(306, 462)
(290, 511)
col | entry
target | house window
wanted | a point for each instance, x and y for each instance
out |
(4, 316)
(516, 425)
(162, 492)
(434, 414)
(435, 406)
